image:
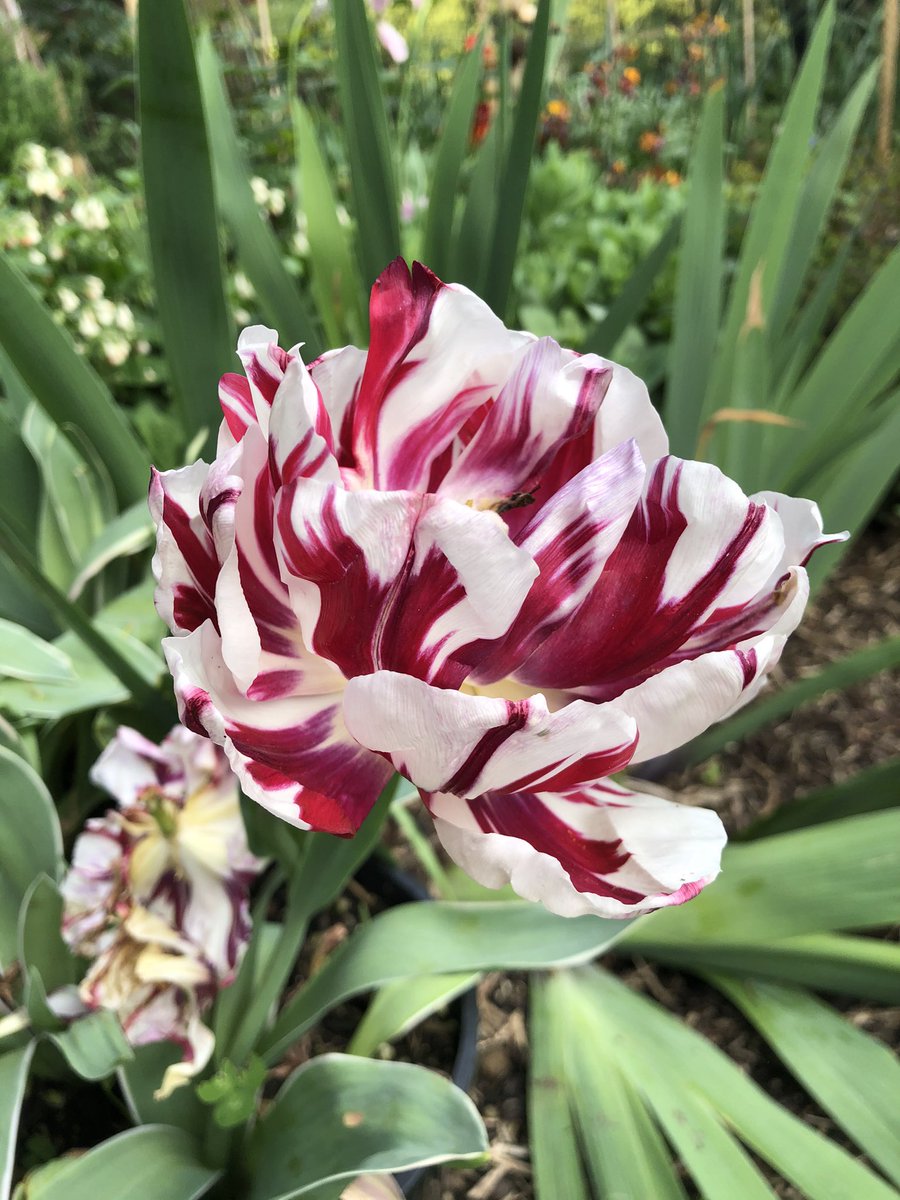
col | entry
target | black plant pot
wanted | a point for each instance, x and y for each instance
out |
(396, 887)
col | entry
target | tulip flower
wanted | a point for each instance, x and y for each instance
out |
(157, 895)
(466, 555)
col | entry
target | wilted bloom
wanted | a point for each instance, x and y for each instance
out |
(465, 554)
(157, 891)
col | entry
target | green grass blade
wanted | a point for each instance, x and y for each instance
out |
(65, 386)
(602, 338)
(182, 220)
(698, 289)
(517, 167)
(698, 1093)
(451, 152)
(336, 282)
(555, 1156)
(861, 967)
(774, 212)
(869, 791)
(367, 140)
(852, 1076)
(819, 192)
(14, 1067)
(839, 876)
(257, 247)
(401, 1006)
(837, 676)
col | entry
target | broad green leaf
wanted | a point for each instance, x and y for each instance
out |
(399, 1007)
(449, 157)
(336, 282)
(851, 1075)
(339, 1116)
(629, 302)
(819, 192)
(142, 1075)
(773, 215)
(873, 789)
(623, 1150)
(93, 1046)
(40, 942)
(66, 387)
(367, 140)
(14, 1065)
(517, 167)
(838, 876)
(698, 289)
(257, 247)
(861, 967)
(699, 1094)
(128, 533)
(555, 1154)
(155, 1162)
(837, 676)
(23, 655)
(31, 844)
(182, 221)
(437, 938)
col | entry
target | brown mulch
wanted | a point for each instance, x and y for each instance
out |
(826, 741)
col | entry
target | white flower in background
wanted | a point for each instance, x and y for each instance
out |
(88, 325)
(143, 346)
(124, 318)
(105, 311)
(301, 237)
(241, 316)
(32, 156)
(277, 201)
(243, 286)
(343, 216)
(115, 349)
(26, 230)
(90, 213)
(55, 252)
(62, 163)
(150, 376)
(68, 300)
(93, 287)
(42, 181)
(157, 893)
(260, 190)
(37, 258)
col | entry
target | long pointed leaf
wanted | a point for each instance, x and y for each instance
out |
(257, 247)
(870, 790)
(14, 1065)
(182, 220)
(368, 142)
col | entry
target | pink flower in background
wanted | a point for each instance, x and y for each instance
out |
(393, 41)
(157, 895)
(465, 554)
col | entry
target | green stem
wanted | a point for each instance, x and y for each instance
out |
(423, 850)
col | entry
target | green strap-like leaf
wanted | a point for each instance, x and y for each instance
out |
(438, 938)
(23, 655)
(14, 1065)
(367, 138)
(258, 250)
(182, 220)
(451, 152)
(698, 289)
(65, 386)
(517, 167)
(339, 1116)
(852, 1076)
(155, 1162)
(399, 1007)
(31, 844)
(870, 790)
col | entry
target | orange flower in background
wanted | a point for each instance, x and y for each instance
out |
(671, 88)
(695, 52)
(719, 24)
(650, 141)
(672, 178)
(470, 43)
(629, 80)
(489, 55)
(557, 110)
(618, 167)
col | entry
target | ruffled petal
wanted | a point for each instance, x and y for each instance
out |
(445, 741)
(185, 563)
(398, 580)
(606, 849)
(292, 755)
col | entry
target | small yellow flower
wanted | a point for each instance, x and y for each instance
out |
(632, 75)
(618, 167)
(672, 178)
(558, 109)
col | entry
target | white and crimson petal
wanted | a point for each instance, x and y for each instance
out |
(603, 849)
